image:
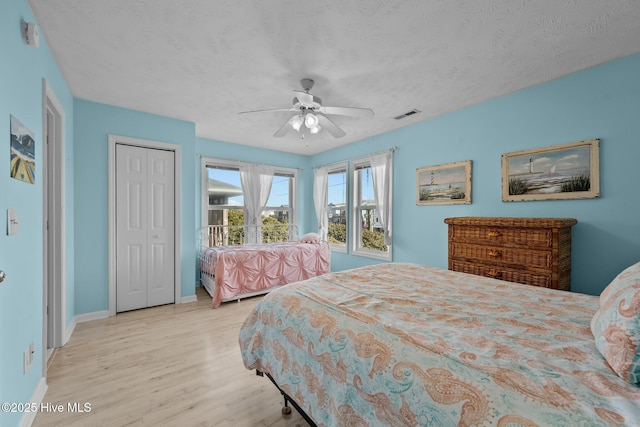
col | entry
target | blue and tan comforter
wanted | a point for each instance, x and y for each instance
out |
(407, 345)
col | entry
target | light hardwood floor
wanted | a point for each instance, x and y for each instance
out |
(173, 365)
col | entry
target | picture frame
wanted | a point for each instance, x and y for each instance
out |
(447, 184)
(564, 171)
(22, 158)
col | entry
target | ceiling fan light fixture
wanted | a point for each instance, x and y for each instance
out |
(296, 122)
(309, 112)
(311, 120)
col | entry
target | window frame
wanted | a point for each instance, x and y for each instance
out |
(356, 213)
(207, 162)
(338, 168)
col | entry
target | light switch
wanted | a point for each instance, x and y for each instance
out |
(12, 221)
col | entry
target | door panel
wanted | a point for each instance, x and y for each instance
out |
(136, 271)
(131, 236)
(161, 228)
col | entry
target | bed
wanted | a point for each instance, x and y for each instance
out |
(235, 271)
(401, 344)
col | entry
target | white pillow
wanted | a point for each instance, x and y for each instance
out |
(310, 238)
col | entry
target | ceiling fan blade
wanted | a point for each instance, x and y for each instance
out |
(347, 111)
(283, 129)
(306, 99)
(268, 111)
(330, 127)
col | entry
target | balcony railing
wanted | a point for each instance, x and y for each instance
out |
(227, 235)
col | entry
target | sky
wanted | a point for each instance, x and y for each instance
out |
(552, 160)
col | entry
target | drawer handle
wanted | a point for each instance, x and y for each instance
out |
(493, 233)
(494, 273)
(494, 253)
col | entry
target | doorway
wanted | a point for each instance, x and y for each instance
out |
(144, 227)
(144, 218)
(53, 247)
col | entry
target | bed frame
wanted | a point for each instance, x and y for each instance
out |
(286, 410)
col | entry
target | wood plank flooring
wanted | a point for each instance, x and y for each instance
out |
(173, 365)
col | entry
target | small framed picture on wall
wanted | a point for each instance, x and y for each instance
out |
(23, 152)
(446, 184)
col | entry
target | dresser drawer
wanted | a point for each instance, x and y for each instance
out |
(510, 275)
(526, 258)
(502, 236)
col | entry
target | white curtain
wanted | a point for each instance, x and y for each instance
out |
(381, 172)
(256, 185)
(320, 179)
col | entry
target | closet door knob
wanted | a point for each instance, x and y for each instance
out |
(2, 276)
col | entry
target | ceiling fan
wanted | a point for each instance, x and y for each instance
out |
(311, 115)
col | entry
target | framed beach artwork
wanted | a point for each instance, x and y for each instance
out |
(444, 184)
(567, 171)
(23, 152)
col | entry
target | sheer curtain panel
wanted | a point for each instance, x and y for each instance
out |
(320, 178)
(381, 170)
(256, 185)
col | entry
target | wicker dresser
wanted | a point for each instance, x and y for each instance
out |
(533, 251)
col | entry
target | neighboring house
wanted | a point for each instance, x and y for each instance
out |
(337, 213)
(219, 193)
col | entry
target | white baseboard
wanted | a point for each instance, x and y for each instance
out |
(70, 329)
(38, 394)
(86, 317)
(191, 298)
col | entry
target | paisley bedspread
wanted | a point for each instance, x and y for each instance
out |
(408, 345)
(250, 268)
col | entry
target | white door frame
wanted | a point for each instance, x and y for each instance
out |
(53, 285)
(116, 139)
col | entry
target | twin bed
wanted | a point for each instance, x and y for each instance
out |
(400, 344)
(234, 271)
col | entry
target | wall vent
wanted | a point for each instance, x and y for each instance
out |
(407, 114)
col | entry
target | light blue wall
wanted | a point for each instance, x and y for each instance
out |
(21, 74)
(93, 124)
(603, 102)
(225, 150)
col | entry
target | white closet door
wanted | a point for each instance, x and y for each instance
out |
(144, 227)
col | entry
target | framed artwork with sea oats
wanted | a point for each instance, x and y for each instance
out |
(566, 171)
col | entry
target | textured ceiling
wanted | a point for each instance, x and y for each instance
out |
(204, 61)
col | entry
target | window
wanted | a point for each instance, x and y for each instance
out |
(367, 221)
(279, 205)
(224, 205)
(368, 229)
(337, 208)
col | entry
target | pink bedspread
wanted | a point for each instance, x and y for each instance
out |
(249, 269)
